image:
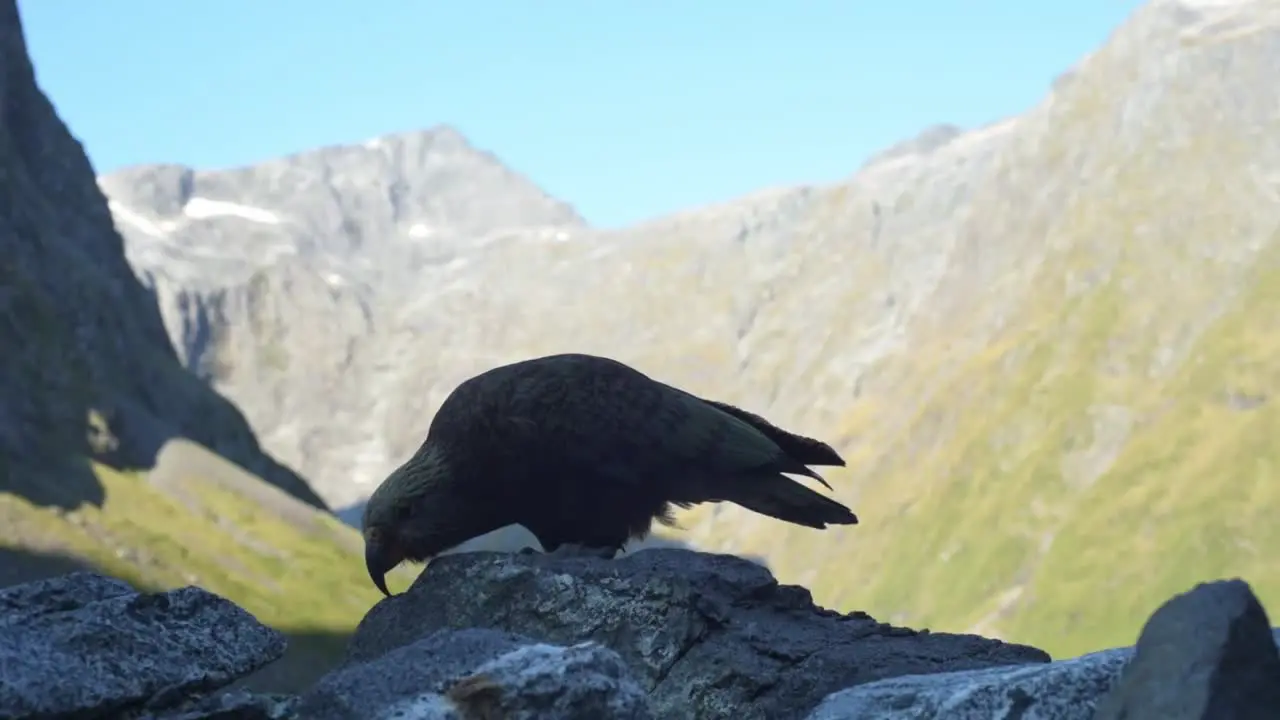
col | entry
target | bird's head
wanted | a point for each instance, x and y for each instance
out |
(396, 523)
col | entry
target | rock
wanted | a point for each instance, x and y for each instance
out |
(582, 682)
(1208, 653)
(88, 369)
(1215, 626)
(237, 705)
(479, 674)
(657, 634)
(86, 646)
(1063, 690)
(423, 664)
(707, 636)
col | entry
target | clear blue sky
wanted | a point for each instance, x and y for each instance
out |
(626, 109)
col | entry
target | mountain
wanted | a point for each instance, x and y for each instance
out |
(112, 455)
(1043, 344)
(88, 369)
(279, 283)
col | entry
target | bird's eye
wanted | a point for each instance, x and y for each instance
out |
(372, 534)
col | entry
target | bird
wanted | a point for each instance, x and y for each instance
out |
(585, 452)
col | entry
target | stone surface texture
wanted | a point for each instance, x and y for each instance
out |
(659, 634)
(707, 636)
(85, 645)
(1207, 653)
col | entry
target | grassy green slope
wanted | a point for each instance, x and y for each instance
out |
(1075, 491)
(1070, 477)
(1110, 446)
(199, 520)
(1192, 496)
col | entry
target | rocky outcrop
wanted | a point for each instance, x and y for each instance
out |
(707, 636)
(1203, 655)
(477, 673)
(1062, 690)
(84, 645)
(87, 367)
(1206, 654)
(243, 262)
(665, 634)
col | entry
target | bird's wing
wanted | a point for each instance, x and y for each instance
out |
(724, 440)
(734, 441)
(642, 430)
(805, 449)
(610, 421)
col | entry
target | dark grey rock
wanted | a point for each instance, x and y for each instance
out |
(420, 667)
(662, 633)
(1206, 654)
(1063, 690)
(476, 673)
(582, 682)
(86, 646)
(708, 636)
(237, 705)
(1071, 689)
(18, 604)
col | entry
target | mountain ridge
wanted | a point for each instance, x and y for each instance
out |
(89, 370)
(115, 458)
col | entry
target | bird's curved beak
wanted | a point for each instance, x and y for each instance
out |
(378, 559)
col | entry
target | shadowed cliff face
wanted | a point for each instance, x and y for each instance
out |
(87, 368)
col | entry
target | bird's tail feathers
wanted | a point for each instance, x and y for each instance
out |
(781, 497)
(804, 450)
(795, 467)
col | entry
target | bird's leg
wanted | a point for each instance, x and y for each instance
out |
(526, 550)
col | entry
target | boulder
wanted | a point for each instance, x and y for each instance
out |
(657, 634)
(705, 635)
(481, 673)
(237, 705)
(86, 646)
(1062, 690)
(1208, 653)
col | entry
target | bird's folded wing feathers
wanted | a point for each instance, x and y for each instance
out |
(633, 440)
(701, 432)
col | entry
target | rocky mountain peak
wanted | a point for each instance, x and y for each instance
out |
(391, 202)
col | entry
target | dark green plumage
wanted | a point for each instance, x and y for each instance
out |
(584, 450)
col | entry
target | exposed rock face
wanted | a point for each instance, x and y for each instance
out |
(660, 634)
(482, 674)
(1208, 653)
(84, 645)
(707, 636)
(1062, 690)
(87, 367)
(275, 281)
